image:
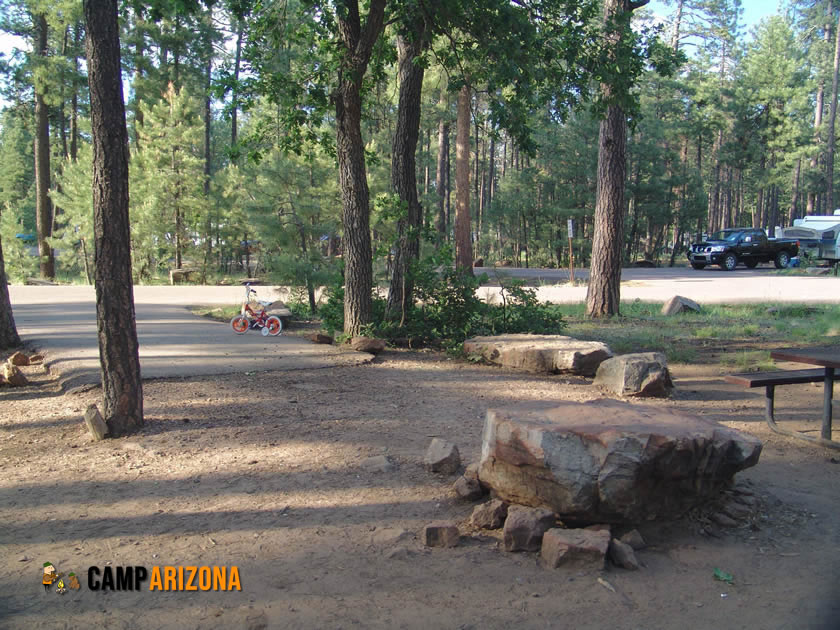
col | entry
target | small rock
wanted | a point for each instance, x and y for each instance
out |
(622, 555)
(367, 344)
(490, 515)
(24, 559)
(723, 520)
(468, 489)
(13, 376)
(441, 534)
(320, 338)
(379, 464)
(472, 471)
(581, 548)
(442, 457)
(95, 423)
(679, 304)
(524, 527)
(634, 539)
(36, 358)
(18, 358)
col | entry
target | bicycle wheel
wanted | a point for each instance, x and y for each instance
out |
(239, 324)
(274, 325)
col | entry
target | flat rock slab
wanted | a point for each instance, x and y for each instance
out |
(551, 354)
(609, 461)
(578, 548)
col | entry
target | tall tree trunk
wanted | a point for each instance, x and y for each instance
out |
(208, 120)
(8, 331)
(440, 173)
(603, 292)
(118, 347)
(403, 171)
(832, 118)
(240, 30)
(43, 207)
(675, 34)
(819, 107)
(357, 43)
(139, 52)
(463, 242)
(794, 194)
(74, 99)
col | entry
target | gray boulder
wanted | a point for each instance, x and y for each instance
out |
(524, 527)
(639, 374)
(680, 304)
(548, 354)
(442, 457)
(367, 344)
(608, 461)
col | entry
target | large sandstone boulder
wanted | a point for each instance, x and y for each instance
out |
(608, 461)
(540, 353)
(639, 374)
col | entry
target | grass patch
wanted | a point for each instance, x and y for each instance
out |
(749, 361)
(216, 313)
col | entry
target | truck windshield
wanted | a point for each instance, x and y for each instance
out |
(726, 235)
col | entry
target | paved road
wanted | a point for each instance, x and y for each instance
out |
(61, 321)
(173, 342)
(709, 286)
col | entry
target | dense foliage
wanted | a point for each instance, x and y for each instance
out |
(232, 126)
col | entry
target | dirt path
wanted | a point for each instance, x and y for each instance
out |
(266, 472)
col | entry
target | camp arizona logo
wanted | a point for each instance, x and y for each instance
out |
(166, 578)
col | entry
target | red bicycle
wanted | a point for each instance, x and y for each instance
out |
(251, 319)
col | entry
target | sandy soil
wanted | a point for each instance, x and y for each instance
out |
(265, 471)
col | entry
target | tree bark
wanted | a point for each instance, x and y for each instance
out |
(463, 242)
(794, 193)
(43, 207)
(602, 295)
(832, 118)
(240, 29)
(440, 172)
(358, 44)
(118, 347)
(8, 331)
(403, 170)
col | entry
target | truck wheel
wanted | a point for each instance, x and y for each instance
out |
(751, 264)
(698, 266)
(782, 260)
(729, 262)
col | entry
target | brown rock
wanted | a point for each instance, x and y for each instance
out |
(13, 376)
(634, 539)
(36, 358)
(468, 489)
(442, 457)
(578, 548)
(607, 461)
(524, 527)
(320, 338)
(622, 555)
(441, 534)
(367, 344)
(95, 423)
(490, 515)
(18, 358)
(540, 353)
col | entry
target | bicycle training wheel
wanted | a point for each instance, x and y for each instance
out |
(274, 325)
(239, 324)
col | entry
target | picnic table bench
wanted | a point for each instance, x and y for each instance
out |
(827, 357)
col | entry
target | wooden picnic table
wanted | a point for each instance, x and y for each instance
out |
(827, 357)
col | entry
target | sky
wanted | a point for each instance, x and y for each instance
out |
(754, 10)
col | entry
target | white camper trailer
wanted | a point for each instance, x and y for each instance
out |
(819, 235)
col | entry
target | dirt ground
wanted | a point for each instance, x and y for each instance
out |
(265, 471)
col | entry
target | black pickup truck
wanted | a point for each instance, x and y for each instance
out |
(749, 246)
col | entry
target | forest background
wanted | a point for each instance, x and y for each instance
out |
(233, 139)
